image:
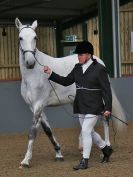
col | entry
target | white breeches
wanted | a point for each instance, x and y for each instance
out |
(106, 131)
(88, 123)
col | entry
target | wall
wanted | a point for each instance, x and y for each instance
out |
(9, 67)
(92, 33)
(15, 115)
(126, 27)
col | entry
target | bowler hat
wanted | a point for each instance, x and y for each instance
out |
(84, 47)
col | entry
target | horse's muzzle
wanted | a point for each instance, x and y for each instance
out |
(30, 66)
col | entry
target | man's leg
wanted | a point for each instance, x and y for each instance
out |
(107, 150)
(87, 127)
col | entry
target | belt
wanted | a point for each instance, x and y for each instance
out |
(83, 88)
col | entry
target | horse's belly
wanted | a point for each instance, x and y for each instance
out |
(62, 95)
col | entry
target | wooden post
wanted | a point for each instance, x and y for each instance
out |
(105, 35)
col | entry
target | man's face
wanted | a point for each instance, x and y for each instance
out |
(83, 58)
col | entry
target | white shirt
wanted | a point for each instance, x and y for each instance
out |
(86, 65)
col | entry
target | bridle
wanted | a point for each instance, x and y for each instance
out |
(31, 51)
(25, 51)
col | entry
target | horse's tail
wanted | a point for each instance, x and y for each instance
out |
(118, 112)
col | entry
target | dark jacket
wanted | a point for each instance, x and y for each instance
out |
(93, 92)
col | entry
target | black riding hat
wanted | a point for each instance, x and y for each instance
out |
(84, 47)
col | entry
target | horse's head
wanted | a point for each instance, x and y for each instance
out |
(27, 42)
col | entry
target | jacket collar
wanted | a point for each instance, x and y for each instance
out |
(91, 66)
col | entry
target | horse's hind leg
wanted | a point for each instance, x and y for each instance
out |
(47, 129)
(32, 135)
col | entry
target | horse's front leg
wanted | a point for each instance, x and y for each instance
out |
(47, 129)
(32, 135)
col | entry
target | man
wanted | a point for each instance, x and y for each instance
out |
(93, 98)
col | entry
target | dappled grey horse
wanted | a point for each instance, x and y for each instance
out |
(38, 92)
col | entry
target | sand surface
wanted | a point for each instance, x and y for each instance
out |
(13, 148)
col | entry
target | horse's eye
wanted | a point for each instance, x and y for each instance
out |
(20, 38)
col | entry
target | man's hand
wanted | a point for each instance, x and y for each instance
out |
(47, 70)
(106, 114)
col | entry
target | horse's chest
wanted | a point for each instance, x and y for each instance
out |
(33, 89)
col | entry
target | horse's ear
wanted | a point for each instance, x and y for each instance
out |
(34, 24)
(18, 23)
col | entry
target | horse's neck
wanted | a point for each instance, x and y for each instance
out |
(61, 66)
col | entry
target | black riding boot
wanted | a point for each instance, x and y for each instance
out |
(107, 151)
(82, 165)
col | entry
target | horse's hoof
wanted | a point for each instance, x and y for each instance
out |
(24, 166)
(59, 159)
